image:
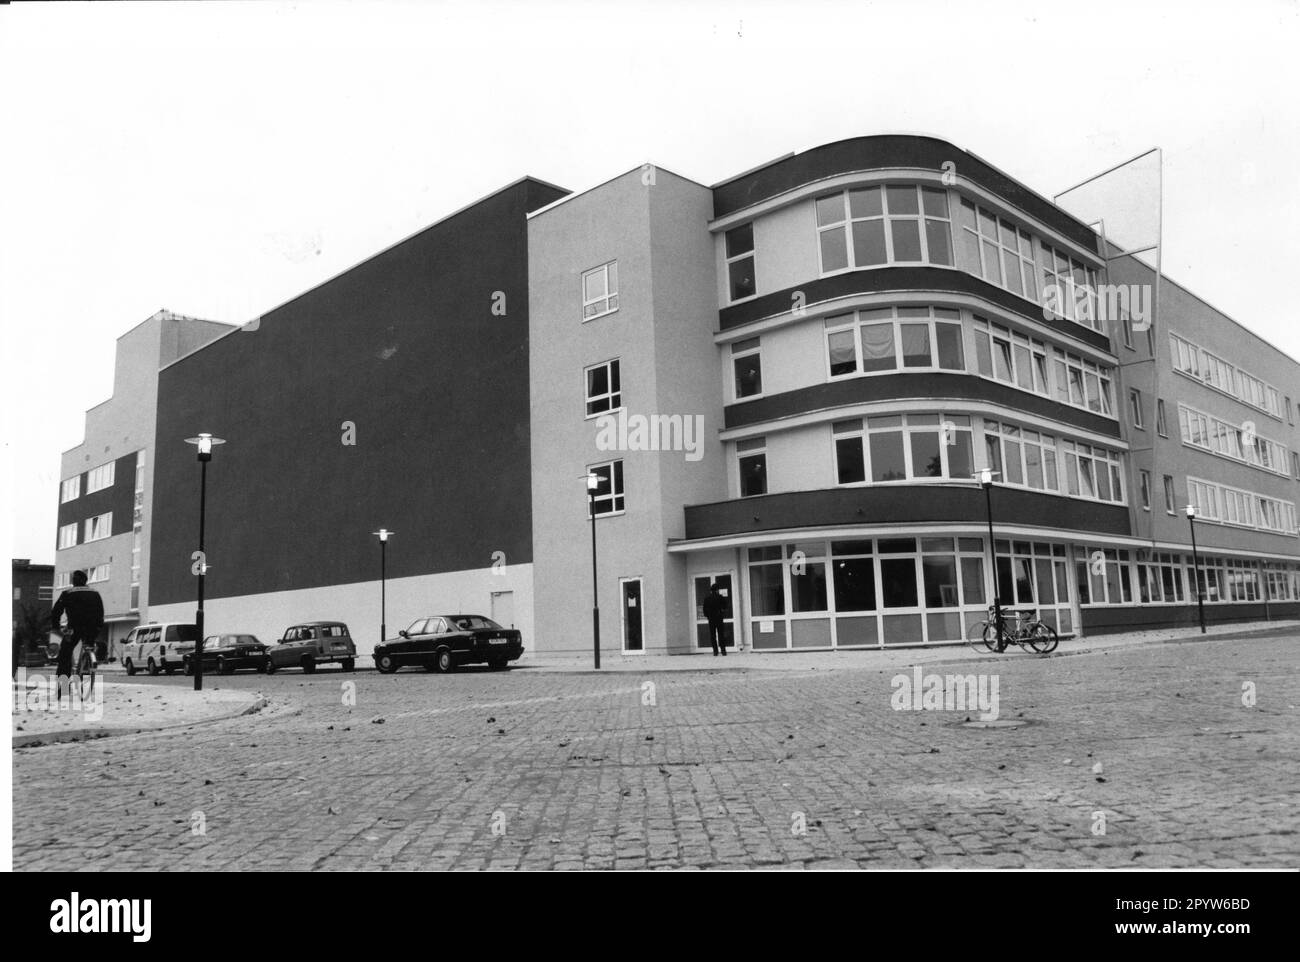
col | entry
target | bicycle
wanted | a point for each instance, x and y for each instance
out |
(1019, 627)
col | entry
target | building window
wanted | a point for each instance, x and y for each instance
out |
(608, 497)
(1286, 403)
(1295, 464)
(997, 250)
(139, 472)
(740, 262)
(747, 368)
(1127, 323)
(893, 224)
(70, 490)
(45, 593)
(912, 447)
(1144, 482)
(1006, 355)
(1135, 406)
(1170, 506)
(97, 573)
(1074, 285)
(67, 535)
(1204, 497)
(99, 527)
(1113, 585)
(1229, 440)
(600, 291)
(100, 477)
(62, 579)
(1081, 383)
(1162, 427)
(892, 339)
(1245, 509)
(751, 455)
(1219, 374)
(604, 388)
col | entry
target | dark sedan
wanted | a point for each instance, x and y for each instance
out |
(225, 654)
(444, 642)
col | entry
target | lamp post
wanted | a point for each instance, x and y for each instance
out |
(1196, 566)
(986, 477)
(593, 482)
(383, 534)
(205, 443)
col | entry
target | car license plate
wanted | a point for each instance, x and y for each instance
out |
(339, 644)
(496, 641)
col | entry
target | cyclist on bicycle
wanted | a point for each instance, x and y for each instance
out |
(85, 611)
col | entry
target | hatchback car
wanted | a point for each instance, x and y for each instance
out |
(313, 643)
(444, 642)
(226, 654)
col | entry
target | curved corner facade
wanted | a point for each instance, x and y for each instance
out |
(853, 333)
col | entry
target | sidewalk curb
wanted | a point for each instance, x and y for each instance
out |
(90, 734)
(958, 652)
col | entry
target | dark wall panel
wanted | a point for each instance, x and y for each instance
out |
(406, 347)
(1102, 621)
(860, 390)
(875, 280)
(119, 498)
(902, 504)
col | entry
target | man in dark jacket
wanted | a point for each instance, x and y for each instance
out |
(715, 610)
(85, 611)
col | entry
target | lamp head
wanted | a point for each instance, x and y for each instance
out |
(383, 534)
(986, 476)
(205, 443)
(1191, 511)
(593, 481)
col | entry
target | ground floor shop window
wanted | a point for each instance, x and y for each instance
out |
(872, 592)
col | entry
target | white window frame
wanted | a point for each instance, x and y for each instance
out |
(96, 574)
(617, 496)
(863, 431)
(737, 258)
(70, 489)
(743, 349)
(610, 395)
(886, 217)
(99, 527)
(68, 536)
(607, 302)
(99, 478)
(750, 448)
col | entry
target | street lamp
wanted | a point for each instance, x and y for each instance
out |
(1196, 566)
(593, 482)
(985, 478)
(205, 443)
(383, 534)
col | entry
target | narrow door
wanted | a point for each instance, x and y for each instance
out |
(702, 583)
(632, 617)
(503, 608)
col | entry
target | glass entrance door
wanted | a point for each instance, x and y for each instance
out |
(702, 583)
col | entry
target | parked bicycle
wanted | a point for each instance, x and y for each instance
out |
(1023, 628)
(87, 665)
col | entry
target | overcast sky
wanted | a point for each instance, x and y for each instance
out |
(219, 159)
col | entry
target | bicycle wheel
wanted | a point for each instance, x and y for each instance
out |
(984, 637)
(1043, 638)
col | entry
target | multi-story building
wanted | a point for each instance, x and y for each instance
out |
(893, 315)
(394, 395)
(105, 493)
(33, 586)
(784, 384)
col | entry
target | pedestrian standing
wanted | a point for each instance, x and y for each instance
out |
(715, 610)
(85, 611)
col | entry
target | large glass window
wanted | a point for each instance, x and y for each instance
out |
(101, 477)
(747, 368)
(889, 224)
(893, 339)
(902, 448)
(608, 497)
(604, 388)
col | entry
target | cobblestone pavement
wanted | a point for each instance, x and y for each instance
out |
(482, 770)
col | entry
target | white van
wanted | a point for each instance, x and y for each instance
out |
(157, 648)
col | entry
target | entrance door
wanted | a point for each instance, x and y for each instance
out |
(503, 608)
(633, 638)
(702, 583)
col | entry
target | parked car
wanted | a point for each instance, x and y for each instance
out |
(160, 647)
(444, 642)
(313, 643)
(226, 654)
